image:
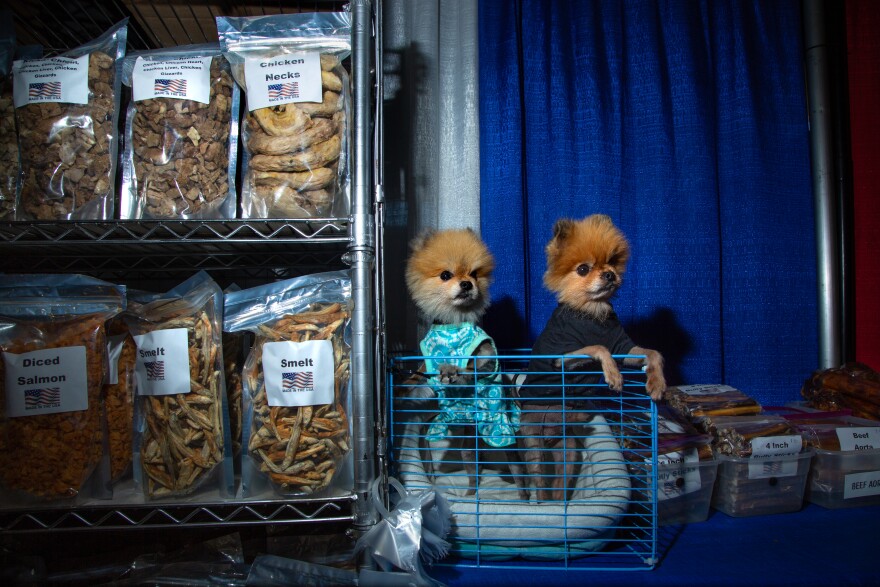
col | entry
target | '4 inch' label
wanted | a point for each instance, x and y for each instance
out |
(775, 456)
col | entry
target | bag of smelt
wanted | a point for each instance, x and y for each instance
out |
(295, 384)
(295, 133)
(53, 341)
(182, 421)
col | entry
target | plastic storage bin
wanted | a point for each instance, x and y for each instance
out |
(684, 491)
(840, 479)
(755, 487)
(846, 469)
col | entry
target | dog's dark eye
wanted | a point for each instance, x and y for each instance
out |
(446, 275)
(582, 269)
(474, 274)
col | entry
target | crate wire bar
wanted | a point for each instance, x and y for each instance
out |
(607, 519)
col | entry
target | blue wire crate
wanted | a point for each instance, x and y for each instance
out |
(450, 437)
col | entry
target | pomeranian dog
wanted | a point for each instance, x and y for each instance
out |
(448, 274)
(586, 260)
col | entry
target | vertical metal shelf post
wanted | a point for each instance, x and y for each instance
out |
(361, 255)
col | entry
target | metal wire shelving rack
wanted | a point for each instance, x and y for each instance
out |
(242, 252)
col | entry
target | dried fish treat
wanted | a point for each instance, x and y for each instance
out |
(67, 108)
(181, 390)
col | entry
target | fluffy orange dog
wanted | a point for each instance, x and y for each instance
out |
(448, 275)
(586, 260)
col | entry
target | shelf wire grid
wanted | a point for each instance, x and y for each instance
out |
(161, 515)
(607, 518)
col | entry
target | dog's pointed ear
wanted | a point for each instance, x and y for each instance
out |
(419, 241)
(562, 229)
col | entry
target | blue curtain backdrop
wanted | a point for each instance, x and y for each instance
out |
(686, 122)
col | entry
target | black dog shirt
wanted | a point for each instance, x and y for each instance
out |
(568, 330)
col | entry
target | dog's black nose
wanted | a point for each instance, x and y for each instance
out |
(466, 285)
(609, 276)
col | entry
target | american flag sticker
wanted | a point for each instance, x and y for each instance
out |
(46, 397)
(773, 468)
(170, 87)
(285, 90)
(155, 370)
(297, 381)
(44, 91)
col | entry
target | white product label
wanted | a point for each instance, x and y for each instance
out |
(114, 351)
(187, 78)
(162, 362)
(678, 474)
(861, 485)
(774, 456)
(705, 389)
(283, 79)
(859, 438)
(299, 373)
(57, 79)
(46, 382)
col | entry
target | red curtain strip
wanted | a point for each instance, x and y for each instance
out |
(863, 43)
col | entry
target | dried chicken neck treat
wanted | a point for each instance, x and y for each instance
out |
(181, 151)
(300, 448)
(66, 154)
(51, 455)
(295, 149)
